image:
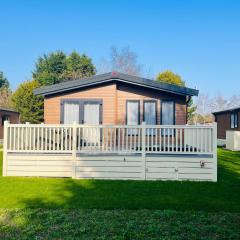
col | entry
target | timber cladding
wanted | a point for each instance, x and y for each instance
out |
(126, 92)
(107, 92)
(114, 97)
(223, 120)
(11, 115)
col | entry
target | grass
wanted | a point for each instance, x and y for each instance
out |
(117, 224)
(19, 192)
(93, 209)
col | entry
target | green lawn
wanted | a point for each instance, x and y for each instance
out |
(19, 192)
(117, 224)
(94, 209)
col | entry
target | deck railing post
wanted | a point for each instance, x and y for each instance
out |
(28, 137)
(143, 150)
(5, 145)
(215, 150)
(74, 149)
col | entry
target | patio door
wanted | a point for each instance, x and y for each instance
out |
(87, 112)
(92, 115)
(71, 110)
(81, 111)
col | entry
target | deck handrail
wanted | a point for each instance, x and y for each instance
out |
(116, 139)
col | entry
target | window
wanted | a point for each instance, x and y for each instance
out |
(133, 112)
(133, 115)
(234, 120)
(168, 113)
(149, 114)
(5, 118)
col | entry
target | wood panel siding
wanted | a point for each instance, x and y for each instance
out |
(126, 92)
(114, 97)
(224, 123)
(52, 104)
(13, 118)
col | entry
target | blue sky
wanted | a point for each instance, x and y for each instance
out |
(198, 39)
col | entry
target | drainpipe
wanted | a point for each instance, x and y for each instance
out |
(188, 99)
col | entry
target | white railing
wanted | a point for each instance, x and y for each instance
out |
(120, 139)
(38, 138)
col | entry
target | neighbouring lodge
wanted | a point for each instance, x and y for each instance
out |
(7, 115)
(115, 98)
(227, 120)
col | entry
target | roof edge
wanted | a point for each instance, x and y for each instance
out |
(8, 110)
(113, 76)
(226, 110)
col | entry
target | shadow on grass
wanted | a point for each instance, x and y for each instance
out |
(74, 199)
(108, 194)
(68, 211)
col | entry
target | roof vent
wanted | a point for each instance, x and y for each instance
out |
(114, 73)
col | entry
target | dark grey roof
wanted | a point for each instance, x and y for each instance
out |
(227, 110)
(114, 76)
(8, 110)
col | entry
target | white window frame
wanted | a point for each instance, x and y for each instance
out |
(150, 131)
(234, 120)
(144, 107)
(174, 111)
(171, 132)
(132, 131)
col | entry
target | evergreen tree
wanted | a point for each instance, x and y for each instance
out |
(27, 104)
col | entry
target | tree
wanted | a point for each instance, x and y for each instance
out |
(57, 67)
(123, 60)
(49, 69)
(170, 77)
(5, 97)
(3, 81)
(202, 119)
(206, 105)
(79, 66)
(29, 105)
(203, 104)
(203, 109)
(234, 101)
(191, 109)
(5, 92)
(173, 78)
(219, 103)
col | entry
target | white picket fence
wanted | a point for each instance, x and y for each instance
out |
(103, 140)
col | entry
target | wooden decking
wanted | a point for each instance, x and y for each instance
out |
(111, 152)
